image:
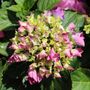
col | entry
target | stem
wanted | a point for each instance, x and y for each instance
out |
(52, 85)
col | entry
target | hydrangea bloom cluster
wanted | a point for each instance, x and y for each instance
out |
(76, 5)
(43, 41)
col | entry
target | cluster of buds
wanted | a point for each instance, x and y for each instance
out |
(43, 41)
(87, 28)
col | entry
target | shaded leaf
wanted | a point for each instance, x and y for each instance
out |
(57, 84)
(75, 63)
(3, 67)
(14, 74)
(28, 4)
(51, 84)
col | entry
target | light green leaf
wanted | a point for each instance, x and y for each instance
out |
(74, 17)
(5, 4)
(4, 20)
(22, 8)
(3, 47)
(81, 79)
(46, 4)
(20, 2)
(25, 4)
(15, 8)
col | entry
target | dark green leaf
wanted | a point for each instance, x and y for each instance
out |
(81, 79)
(46, 4)
(57, 84)
(74, 17)
(2, 69)
(14, 74)
(28, 4)
(51, 84)
(75, 63)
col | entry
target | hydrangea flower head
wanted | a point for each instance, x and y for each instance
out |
(43, 41)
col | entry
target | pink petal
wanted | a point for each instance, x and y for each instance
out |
(47, 13)
(52, 53)
(14, 58)
(68, 53)
(33, 74)
(23, 24)
(42, 54)
(56, 57)
(66, 37)
(77, 52)
(13, 46)
(71, 27)
(34, 77)
(79, 39)
(28, 27)
(21, 29)
(69, 45)
(53, 56)
(68, 67)
(58, 12)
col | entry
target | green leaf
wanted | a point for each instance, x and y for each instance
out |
(46, 4)
(4, 20)
(25, 4)
(81, 79)
(3, 47)
(74, 17)
(20, 2)
(22, 8)
(5, 4)
(15, 8)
